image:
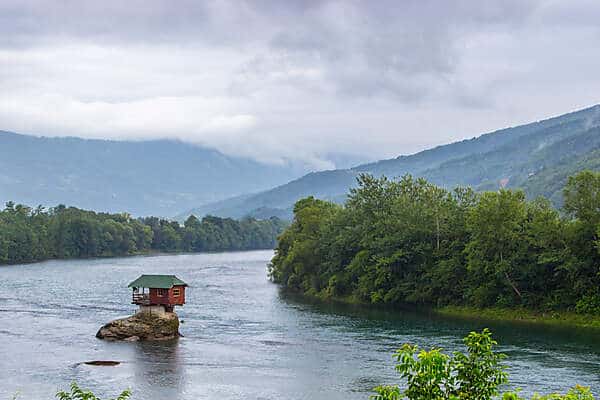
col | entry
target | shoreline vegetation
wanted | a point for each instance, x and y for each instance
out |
(559, 319)
(493, 256)
(562, 319)
(146, 253)
(30, 235)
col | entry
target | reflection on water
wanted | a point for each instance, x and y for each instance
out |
(423, 321)
(159, 364)
(244, 338)
(571, 353)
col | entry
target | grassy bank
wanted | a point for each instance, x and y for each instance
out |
(564, 319)
(552, 318)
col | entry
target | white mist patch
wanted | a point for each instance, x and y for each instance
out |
(593, 120)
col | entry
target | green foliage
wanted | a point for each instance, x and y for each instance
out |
(479, 373)
(476, 375)
(588, 305)
(387, 393)
(577, 393)
(297, 251)
(410, 242)
(77, 393)
(496, 246)
(433, 375)
(28, 234)
(428, 373)
(582, 197)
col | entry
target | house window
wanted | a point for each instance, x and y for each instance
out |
(161, 292)
(176, 292)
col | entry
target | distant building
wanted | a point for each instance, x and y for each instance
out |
(163, 293)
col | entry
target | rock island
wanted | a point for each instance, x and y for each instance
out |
(156, 296)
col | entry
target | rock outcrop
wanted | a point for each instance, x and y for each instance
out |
(142, 326)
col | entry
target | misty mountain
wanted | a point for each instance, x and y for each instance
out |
(159, 177)
(537, 157)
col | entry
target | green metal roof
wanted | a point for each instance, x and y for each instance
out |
(157, 281)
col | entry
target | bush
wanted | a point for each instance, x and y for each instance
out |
(588, 305)
(577, 393)
(476, 375)
(433, 375)
(77, 393)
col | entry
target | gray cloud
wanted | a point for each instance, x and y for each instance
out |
(295, 80)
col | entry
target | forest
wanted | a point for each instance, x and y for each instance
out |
(409, 242)
(28, 234)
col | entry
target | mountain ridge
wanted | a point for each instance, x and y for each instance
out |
(159, 177)
(450, 164)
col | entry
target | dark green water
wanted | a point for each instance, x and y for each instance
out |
(244, 339)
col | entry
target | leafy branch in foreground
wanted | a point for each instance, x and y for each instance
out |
(476, 375)
(577, 393)
(78, 393)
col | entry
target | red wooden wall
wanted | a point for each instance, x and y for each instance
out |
(167, 297)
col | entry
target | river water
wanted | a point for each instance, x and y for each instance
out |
(244, 338)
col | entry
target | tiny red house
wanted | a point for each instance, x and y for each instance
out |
(163, 290)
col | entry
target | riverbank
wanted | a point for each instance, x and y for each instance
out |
(561, 319)
(145, 253)
(33, 235)
(522, 315)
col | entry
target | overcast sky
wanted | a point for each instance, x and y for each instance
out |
(285, 80)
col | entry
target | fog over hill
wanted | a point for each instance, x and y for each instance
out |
(167, 177)
(537, 157)
(159, 177)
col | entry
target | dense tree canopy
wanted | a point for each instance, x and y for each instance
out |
(409, 241)
(28, 234)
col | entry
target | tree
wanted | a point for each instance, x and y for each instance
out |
(582, 197)
(582, 205)
(496, 227)
(28, 234)
(411, 242)
(297, 255)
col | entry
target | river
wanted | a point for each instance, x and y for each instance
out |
(244, 338)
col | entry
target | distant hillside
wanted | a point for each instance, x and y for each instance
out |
(537, 157)
(278, 202)
(159, 177)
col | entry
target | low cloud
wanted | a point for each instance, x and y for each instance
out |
(294, 81)
(186, 118)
